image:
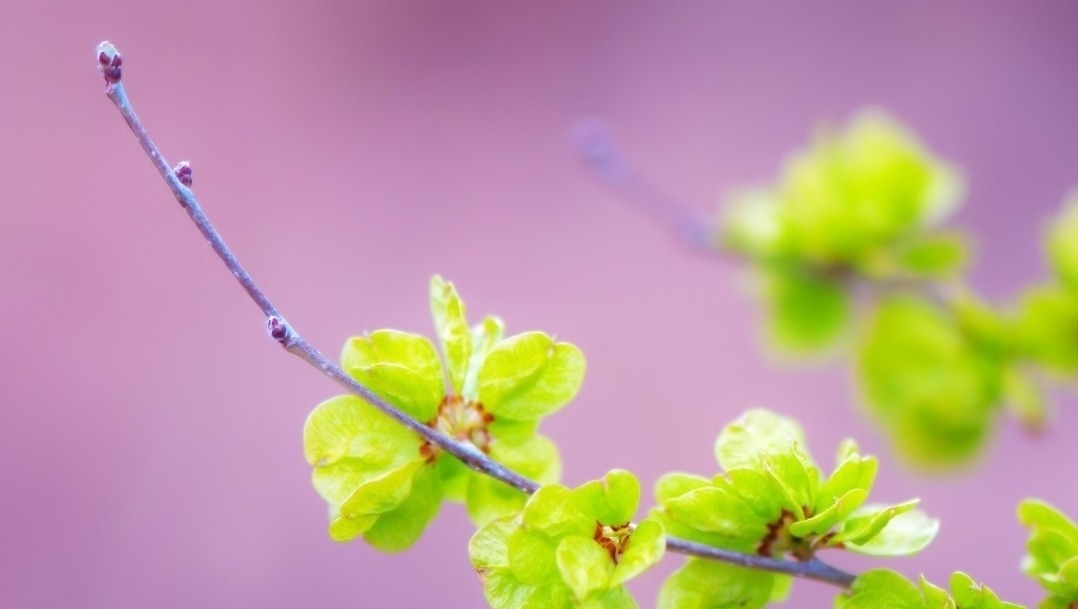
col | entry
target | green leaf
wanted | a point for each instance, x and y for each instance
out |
(1063, 246)
(402, 368)
(704, 584)
(645, 549)
(939, 255)
(756, 433)
(529, 376)
(610, 501)
(904, 531)
(584, 565)
(805, 312)
(451, 323)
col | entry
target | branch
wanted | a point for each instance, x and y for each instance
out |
(179, 181)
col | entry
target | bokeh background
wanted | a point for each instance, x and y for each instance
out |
(150, 433)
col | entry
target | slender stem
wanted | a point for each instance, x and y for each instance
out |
(296, 345)
(593, 140)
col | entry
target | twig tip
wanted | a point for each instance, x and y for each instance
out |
(109, 61)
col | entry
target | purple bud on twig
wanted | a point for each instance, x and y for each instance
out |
(183, 173)
(109, 62)
(277, 328)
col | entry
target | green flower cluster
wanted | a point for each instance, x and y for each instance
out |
(569, 548)
(933, 378)
(772, 500)
(385, 482)
(861, 201)
(1047, 324)
(1053, 552)
(882, 588)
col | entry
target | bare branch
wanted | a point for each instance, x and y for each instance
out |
(179, 180)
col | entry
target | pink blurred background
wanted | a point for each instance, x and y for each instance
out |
(150, 433)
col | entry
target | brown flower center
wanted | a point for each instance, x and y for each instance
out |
(463, 420)
(613, 538)
(779, 542)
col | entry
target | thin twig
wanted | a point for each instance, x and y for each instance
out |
(596, 146)
(592, 139)
(109, 62)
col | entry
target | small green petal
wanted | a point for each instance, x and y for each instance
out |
(346, 427)
(970, 595)
(905, 533)
(645, 549)
(754, 434)
(584, 565)
(612, 500)
(455, 477)
(504, 591)
(677, 484)
(381, 494)
(398, 529)
(704, 584)
(537, 458)
(805, 312)
(529, 376)
(867, 522)
(485, 336)
(551, 511)
(614, 598)
(880, 588)
(531, 557)
(489, 547)
(757, 489)
(822, 522)
(855, 473)
(1062, 245)
(939, 255)
(451, 324)
(402, 368)
(716, 510)
(934, 595)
